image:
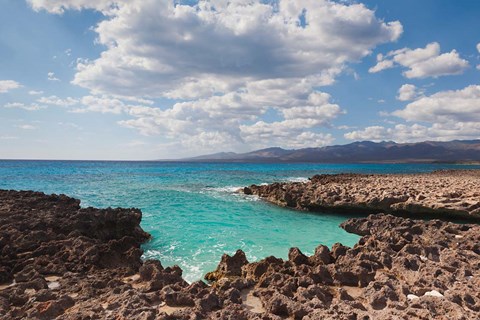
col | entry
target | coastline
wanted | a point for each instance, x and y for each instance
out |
(441, 194)
(60, 261)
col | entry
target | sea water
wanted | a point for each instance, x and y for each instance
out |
(192, 210)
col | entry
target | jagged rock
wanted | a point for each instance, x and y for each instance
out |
(54, 308)
(253, 271)
(297, 257)
(338, 250)
(209, 302)
(229, 266)
(321, 256)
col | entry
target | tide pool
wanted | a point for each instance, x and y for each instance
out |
(191, 209)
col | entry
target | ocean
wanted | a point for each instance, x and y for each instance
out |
(192, 210)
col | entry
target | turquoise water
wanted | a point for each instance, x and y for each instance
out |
(191, 209)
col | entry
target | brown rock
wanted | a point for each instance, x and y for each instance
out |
(297, 257)
(229, 266)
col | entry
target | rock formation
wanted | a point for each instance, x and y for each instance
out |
(59, 261)
(453, 193)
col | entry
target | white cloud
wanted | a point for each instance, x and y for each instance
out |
(28, 107)
(56, 101)
(258, 42)
(101, 105)
(408, 92)
(423, 62)
(35, 92)
(51, 77)
(70, 125)
(26, 127)
(373, 133)
(381, 65)
(478, 49)
(228, 114)
(267, 62)
(448, 115)
(59, 7)
(8, 138)
(7, 85)
(445, 106)
(287, 133)
(417, 132)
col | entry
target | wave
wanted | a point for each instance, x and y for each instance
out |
(297, 179)
(227, 189)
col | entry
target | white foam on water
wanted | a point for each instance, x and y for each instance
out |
(228, 189)
(297, 179)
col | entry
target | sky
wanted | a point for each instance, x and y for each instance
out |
(145, 79)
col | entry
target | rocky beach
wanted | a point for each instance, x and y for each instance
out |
(61, 261)
(444, 193)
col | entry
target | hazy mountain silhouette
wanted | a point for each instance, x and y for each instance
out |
(364, 151)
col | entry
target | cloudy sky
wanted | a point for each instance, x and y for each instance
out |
(151, 79)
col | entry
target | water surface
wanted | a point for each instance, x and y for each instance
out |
(191, 209)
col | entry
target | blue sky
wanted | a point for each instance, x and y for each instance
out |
(106, 79)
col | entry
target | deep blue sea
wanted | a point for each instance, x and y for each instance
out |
(191, 208)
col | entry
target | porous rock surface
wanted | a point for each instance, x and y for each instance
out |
(443, 193)
(59, 261)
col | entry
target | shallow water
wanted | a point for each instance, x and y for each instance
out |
(191, 208)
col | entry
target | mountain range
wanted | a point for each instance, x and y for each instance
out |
(364, 151)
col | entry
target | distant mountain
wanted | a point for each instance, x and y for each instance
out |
(364, 151)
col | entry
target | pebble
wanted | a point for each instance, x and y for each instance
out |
(434, 293)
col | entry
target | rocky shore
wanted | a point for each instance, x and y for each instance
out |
(60, 261)
(452, 193)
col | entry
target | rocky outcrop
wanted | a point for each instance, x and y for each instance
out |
(400, 269)
(60, 261)
(453, 193)
(54, 253)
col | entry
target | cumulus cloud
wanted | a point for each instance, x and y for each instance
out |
(228, 62)
(445, 106)
(422, 62)
(408, 92)
(35, 92)
(448, 115)
(7, 85)
(56, 101)
(59, 6)
(101, 105)
(19, 105)
(259, 41)
(51, 77)
(417, 133)
(381, 65)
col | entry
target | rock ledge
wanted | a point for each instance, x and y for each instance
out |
(450, 193)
